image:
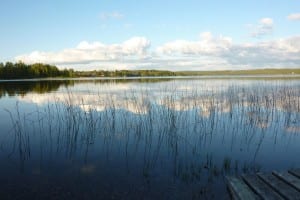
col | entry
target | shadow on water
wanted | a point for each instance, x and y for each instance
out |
(136, 145)
(41, 86)
(23, 87)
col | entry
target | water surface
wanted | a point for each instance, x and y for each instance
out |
(150, 138)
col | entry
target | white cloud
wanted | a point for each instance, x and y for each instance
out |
(265, 27)
(111, 15)
(294, 17)
(275, 53)
(206, 45)
(266, 21)
(86, 52)
(220, 52)
(209, 52)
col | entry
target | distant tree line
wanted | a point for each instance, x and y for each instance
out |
(21, 70)
(125, 73)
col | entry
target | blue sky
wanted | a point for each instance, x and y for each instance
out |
(174, 35)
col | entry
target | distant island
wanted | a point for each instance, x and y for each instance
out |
(21, 70)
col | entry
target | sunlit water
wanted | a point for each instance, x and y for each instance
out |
(144, 138)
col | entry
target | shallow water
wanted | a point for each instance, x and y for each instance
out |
(152, 138)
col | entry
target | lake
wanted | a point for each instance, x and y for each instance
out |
(144, 138)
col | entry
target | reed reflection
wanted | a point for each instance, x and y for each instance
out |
(191, 136)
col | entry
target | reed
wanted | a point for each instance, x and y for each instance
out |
(184, 127)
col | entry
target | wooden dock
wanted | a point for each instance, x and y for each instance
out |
(275, 185)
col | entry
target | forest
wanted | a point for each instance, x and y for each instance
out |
(21, 70)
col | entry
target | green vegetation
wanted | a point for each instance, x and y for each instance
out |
(125, 73)
(23, 71)
(269, 71)
(145, 73)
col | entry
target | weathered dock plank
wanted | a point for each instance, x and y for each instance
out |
(279, 186)
(269, 186)
(239, 189)
(289, 179)
(295, 172)
(261, 188)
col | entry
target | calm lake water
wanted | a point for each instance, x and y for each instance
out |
(150, 138)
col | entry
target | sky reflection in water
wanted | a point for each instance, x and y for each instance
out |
(169, 138)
